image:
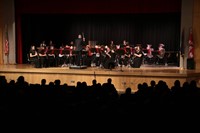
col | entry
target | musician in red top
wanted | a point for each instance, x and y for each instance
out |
(161, 58)
(42, 52)
(149, 55)
(51, 55)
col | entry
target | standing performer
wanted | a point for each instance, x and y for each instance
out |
(79, 43)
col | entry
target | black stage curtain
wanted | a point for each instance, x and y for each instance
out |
(135, 28)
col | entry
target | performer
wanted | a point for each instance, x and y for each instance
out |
(124, 44)
(79, 44)
(90, 55)
(97, 57)
(160, 58)
(33, 54)
(109, 61)
(71, 56)
(51, 56)
(43, 55)
(137, 57)
(61, 58)
(112, 45)
(43, 44)
(127, 55)
(149, 55)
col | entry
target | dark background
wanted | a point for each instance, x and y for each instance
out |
(143, 22)
(141, 28)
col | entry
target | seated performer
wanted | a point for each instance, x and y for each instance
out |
(51, 57)
(112, 45)
(137, 57)
(109, 60)
(160, 58)
(33, 56)
(61, 56)
(124, 44)
(127, 55)
(149, 55)
(97, 56)
(43, 44)
(90, 54)
(43, 55)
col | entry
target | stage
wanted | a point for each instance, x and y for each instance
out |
(122, 77)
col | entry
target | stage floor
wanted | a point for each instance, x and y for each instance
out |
(122, 77)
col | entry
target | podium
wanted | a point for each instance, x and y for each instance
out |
(78, 67)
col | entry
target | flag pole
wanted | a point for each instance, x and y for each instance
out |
(182, 48)
(8, 59)
(183, 62)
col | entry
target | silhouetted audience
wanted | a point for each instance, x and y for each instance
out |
(23, 99)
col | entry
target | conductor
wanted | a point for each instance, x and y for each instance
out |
(79, 43)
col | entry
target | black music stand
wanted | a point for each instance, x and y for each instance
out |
(120, 52)
(66, 51)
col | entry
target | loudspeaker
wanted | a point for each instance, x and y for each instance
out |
(190, 63)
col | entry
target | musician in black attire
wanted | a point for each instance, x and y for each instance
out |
(137, 57)
(33, 55)
(161, 57)
(109, 61)
(79, 45)
(127, 55)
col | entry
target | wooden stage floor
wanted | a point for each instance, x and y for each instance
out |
(122, 77)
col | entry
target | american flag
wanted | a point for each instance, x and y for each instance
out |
(6, 47)
(191, 45)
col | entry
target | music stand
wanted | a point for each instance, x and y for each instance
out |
(120, 52)
(66, 51)
(93, 50)
(56, 52)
